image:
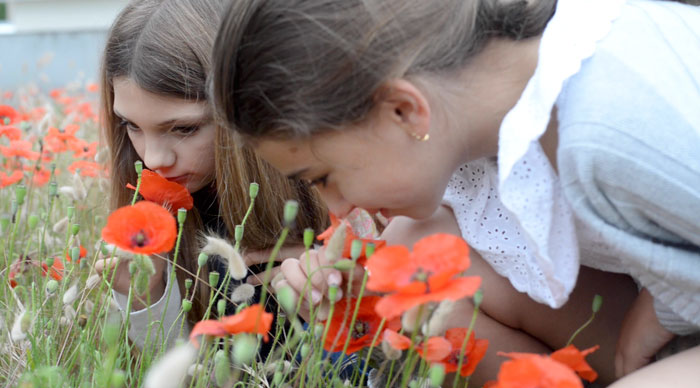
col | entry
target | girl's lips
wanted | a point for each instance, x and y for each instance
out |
(182, 179)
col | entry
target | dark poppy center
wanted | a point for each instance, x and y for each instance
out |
(360, 330)
(421, 275)
(139, 239)
(453, 358)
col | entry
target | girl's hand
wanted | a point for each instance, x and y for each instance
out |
(641, 336)
(118, 271)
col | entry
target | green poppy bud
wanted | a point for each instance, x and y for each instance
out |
(437, 375)
(51, 286)
(478, 298)
(133, 267)
(308, 237)
(240, 307)
(369, 250)
(597, 303)
(181, 215)
(245, 347)
(333, 293)
(238, 233)
(25, 322)
(286, 299)
(277, 378)
(202, 259)
(74, 229)
(305, 350)
(138, 165)
(355, 249)
(141, 282)
(253, 190)
(71, 211)
(20, 194)
(222, 368)
(75, 254)
(32, 221)
(344, 264)
(50, 261)
(221, 307)
(186, 305)
(118, 378)
(291, 208)
(188, 284)
(53, 188)
(213, 278)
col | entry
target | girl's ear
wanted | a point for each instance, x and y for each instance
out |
(401, 102)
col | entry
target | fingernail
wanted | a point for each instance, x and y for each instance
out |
(334, 279)
(250, 279)
(315, 296)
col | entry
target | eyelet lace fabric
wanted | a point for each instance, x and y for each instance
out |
(512, 209)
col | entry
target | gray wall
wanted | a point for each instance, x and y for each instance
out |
(49, 59)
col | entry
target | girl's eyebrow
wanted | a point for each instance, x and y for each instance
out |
(193, 119)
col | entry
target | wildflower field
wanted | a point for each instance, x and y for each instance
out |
(61, 327)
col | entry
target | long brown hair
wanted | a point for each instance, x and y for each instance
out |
(290, 68)
(164, 46)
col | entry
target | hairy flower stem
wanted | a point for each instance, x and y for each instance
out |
(413, 357)
(369, 352)
(464, 348)
(356, 311)
(172, 283)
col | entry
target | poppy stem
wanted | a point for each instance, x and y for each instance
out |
(369, 352)
(465, 341)
(597, 302)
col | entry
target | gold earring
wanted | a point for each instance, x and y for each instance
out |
(419, 137)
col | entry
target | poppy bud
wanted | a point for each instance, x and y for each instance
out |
(222, 368)
(414, 384)
(344, 264)
(75, 254)
(20, 194)
(238, 233)
(181, 215)
(478, 298)
(213, 278)
(333, 293)
(291, 208)
(369, 250)
(253, 190)
(52, 168)
(286, 299)
(240, 307)
(202, 259)
(305, 350)
(308, 237)
(188, 284)
(355, 249)
(318, 331)
(32, 221)
(49, 261)
(146, 264)
(118, 378)
(277, 379)
(53, 189)
(51, 286)
(437, 374)
(221, 307)
(74, 229)
(186, 305)
(141, 282)
(70, 210)
(245, 347)
(138, 165)
(133, 267)
(597, 303)
(25, 322)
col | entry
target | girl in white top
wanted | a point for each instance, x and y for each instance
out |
(557, 138)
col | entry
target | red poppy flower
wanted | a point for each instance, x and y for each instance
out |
(157, 189)
(253, 319)
(429, 273)
(535, 371)
(61, 140)
(83, 150)
(10, 132)
(7, 180)
(363, 332)
(56, 270)
(575, 359)
(56, 93)
(40, 174)
(20, 149)
(83, 253)
(144, 228)
(434, 350)
(350, 236)
(92, 87)
(9, 113)
(474, 352)
(87, 168)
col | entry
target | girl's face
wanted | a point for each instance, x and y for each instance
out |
(173, 136)
(381, 170)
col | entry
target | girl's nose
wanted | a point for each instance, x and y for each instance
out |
(159, 155)
(336, 202)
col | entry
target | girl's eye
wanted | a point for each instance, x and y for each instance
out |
(185, 130)
(128, 125)
(323, 181)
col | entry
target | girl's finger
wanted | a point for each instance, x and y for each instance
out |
(258, 279)
(296, 277)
